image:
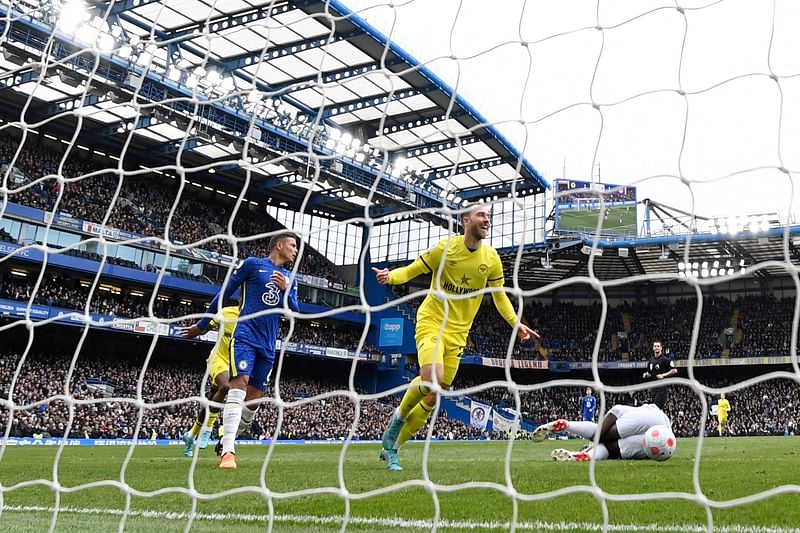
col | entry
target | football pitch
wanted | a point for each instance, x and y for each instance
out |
(621, 219)
(380, 500)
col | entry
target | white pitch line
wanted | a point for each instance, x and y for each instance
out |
(462, 525)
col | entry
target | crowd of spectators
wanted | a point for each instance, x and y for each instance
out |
(769, 407)
(569, 331)
(143, 204)
(102, 390)
(67, 293)
(58, 291)
(43, 376)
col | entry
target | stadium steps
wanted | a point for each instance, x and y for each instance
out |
(735, 315)
(626, 322)
(405, 310)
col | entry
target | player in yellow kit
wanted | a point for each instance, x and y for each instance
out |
(723, 408)
(461, 266)
(219, 367)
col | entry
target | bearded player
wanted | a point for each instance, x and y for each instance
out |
(460, 265)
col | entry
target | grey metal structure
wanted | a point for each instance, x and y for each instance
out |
(306, 99)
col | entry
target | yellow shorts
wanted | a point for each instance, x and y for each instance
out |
(445, 351)
(722, 420)
(218, 365)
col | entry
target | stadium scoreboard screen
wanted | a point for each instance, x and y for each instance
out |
(578, 204)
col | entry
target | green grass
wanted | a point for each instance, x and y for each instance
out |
(730, 468)
(583, 220)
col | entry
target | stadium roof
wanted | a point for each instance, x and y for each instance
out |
(662, 259)
(201, 79)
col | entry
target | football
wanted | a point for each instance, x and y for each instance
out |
(659, 443)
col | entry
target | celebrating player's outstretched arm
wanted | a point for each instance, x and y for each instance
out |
(461, 267)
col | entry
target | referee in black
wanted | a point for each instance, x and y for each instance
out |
(658, 368)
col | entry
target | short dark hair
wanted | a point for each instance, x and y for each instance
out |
(470, 208)
(278, 237)
(659, 342)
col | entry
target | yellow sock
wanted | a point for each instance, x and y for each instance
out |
(414, 422)
(195, 431)
(212, 418)
(412, 397)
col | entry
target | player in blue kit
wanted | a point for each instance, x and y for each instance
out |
(264, 283)
(588, 406)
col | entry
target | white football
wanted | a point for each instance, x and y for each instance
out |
(659, 443)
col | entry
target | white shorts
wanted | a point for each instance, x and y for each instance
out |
(637, 420)
(632, 447)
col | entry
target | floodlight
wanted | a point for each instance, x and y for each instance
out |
(681, 265)
(228, 83)
(70, 78)
(72, 14)
(213, 78)
(346, 138)
(13, 57)
(713, 272)
(174, 74)
(105, 42)
(334, 133)
(360, 157)
(86, 33)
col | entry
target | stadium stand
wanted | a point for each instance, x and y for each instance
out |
(767, 408)
(95, 377)
(143, 205)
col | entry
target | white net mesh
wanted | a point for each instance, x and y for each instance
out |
(175, 130)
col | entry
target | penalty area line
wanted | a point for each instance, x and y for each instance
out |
(462, 525)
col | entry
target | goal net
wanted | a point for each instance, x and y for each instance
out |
(148, 147)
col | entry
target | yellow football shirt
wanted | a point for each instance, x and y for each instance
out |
(723, 407)
(221, 351)
(460, 272)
